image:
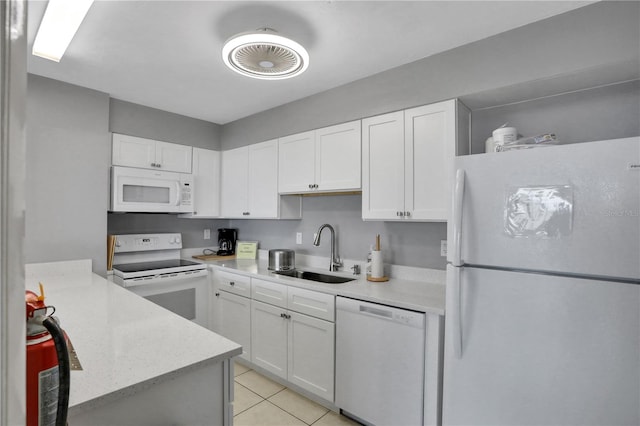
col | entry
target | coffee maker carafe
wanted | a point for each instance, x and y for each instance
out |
(227, 241)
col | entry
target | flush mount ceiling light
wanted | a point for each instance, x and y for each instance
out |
(59, 24)
(264, 54)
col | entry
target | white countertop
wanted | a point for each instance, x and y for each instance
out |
(423, 295)
(124, 342)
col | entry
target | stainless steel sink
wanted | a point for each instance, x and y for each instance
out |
(315, 276)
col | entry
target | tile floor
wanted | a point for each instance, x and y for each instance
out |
(261, 401)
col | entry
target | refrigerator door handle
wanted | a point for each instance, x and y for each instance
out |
(454, 309)
(458, 198)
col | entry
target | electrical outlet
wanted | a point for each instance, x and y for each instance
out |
(207, 234)
(298, 237)
(443, 248)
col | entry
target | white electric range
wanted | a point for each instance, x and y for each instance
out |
(150, 266)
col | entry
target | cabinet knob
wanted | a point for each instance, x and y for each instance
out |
(407, 214)
(231, 283)
(315, 185)
(217, 294)
(310, 186)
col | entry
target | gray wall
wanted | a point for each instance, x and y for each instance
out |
(138, 120)
(410, 244)
(592, 36)
(601, 113)
(192, 229)
(67, 155)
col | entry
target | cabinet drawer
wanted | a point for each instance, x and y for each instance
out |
(233, 283)
(319, 305)
(268, 292)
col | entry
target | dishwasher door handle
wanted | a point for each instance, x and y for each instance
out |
(376, 311)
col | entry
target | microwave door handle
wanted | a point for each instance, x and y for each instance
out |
(178, 194)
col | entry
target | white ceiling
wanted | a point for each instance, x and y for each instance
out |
(166, 54)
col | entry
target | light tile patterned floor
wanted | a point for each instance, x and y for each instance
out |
(261, 401)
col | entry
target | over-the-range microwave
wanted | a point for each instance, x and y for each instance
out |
(153, 191)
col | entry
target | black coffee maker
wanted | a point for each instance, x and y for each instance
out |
(227, 241)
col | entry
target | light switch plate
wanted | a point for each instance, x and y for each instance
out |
(207, 234)
(298, 237)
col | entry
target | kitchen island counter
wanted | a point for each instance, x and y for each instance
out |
(423, 292)
(136, 356)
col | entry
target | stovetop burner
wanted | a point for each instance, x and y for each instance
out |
(156, 265)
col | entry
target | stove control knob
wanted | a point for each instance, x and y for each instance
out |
(177, 240)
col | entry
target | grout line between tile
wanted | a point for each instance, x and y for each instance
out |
(250, 407)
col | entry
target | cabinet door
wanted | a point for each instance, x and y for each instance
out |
(269, 327)
(235, 321)
(131, 151)
(235, 179)
(383, 166)
(171, 157)
(206, 181)
(263, 180)
(311, 354)
(338, 157)
(296, 163)
(430, 140)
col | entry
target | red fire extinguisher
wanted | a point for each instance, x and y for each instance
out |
(48, 376)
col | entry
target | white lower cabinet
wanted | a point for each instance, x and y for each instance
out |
(269, 336)
(231, 309)
(292, 345)
(310, 355)
(287, 331)
(235, 320)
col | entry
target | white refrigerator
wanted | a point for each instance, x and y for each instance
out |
(543, 287)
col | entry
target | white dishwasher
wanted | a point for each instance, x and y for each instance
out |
(379, 363)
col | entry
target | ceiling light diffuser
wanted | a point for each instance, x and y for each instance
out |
(60, 22)
(266, 55)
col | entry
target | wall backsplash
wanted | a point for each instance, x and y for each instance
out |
(145, 223)
(409, 244)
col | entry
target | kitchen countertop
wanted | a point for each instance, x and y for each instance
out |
(419, 295)
(124, 342)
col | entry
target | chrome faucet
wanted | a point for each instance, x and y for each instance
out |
(334, 261)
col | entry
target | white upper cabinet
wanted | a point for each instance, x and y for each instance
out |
(323, 160)
(206, 184)
(250, 184)
(407, 162)
(132, 151)
(234, 182)
(338, 157)
(262, 198)
(296, 163)
(383, 166)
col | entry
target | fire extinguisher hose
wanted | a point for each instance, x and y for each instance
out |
(63, 369)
